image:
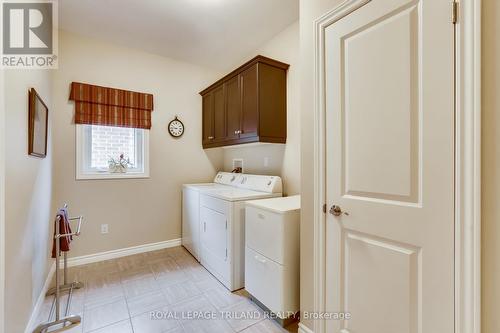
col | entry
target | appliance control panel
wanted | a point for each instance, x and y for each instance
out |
(261, 183)
(228, 178)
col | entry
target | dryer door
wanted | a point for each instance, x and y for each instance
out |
(214, 232)
(214, 237)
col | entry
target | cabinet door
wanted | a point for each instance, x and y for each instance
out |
(249, 103)
(272, 104)
(233, 107)
(208, 119)
(220, 131)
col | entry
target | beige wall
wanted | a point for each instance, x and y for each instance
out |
(283, 160)
(491, 163)
(253, 158)
(2, 201)
(144, 210)
(28, 196)
(310, 10)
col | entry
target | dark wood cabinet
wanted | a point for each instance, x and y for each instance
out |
(208, 119)
(233, 104)
(247, 105)
(214, 116)
(219, 116)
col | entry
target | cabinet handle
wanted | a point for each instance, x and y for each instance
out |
(210, 138)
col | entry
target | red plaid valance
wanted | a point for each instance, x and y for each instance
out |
(97, 105)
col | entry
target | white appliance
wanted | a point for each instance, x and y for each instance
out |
(191, 209)
(272, 259)
(217, 212)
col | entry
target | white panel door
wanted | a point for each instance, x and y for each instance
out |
(390, 165)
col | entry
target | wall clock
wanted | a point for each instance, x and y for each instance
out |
(176, 128)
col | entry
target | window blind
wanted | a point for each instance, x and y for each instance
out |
(96, 105)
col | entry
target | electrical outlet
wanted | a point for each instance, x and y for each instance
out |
(266, 162)
(104, 228)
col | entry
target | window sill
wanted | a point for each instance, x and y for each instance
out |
(107, 175)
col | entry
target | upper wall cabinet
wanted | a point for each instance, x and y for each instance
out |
(247, 105)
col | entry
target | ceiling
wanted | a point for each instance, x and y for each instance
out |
(212, 33)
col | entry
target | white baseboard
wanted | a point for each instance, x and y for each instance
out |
(304, 329)
(39, 302)
(102, 256)
(88, 259)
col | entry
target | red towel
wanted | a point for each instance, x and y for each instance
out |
(64, 228)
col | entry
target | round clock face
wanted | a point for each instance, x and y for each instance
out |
(176, 128)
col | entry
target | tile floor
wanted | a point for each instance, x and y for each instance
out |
(164, 291)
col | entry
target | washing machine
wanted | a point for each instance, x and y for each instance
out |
(191, 208)
(222, 225)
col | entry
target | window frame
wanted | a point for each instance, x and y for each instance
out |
(83, 152)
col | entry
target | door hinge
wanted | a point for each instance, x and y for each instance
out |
(324, 208)
(454, 12)
(226, 252)
(226, 224)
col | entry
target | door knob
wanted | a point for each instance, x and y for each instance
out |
(337, 211)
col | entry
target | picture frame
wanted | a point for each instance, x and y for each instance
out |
(38, 122)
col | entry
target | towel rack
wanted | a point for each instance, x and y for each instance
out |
(68, 320)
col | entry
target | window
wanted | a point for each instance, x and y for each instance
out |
(97, 145)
